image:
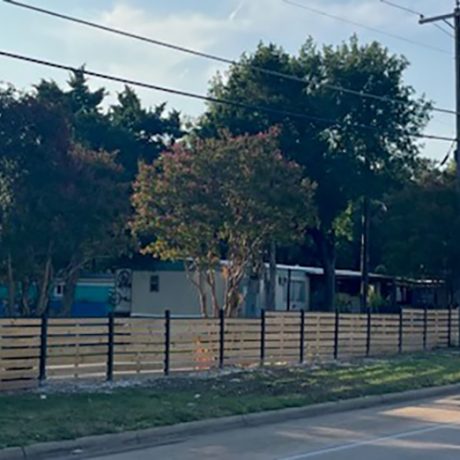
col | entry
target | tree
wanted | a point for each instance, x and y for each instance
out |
(367, 144)
(128, 131)
(94, 215)
(132, 132)
(61, 201)
(140, 134)
(233, 195)
(422, 227)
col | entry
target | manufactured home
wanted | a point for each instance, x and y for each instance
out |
(166, 285)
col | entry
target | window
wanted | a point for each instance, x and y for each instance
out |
(59, 290)
(154, 283)
(297, 291)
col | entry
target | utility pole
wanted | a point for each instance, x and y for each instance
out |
(445, 18)
(365, 232)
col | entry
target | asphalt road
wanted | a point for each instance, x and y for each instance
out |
(429, 430)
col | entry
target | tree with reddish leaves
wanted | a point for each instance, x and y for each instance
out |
(229, 196)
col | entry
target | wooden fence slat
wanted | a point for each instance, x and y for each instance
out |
(15, 374)
(76, 359)
(18, 362)
(19, 322)
(70, 372)
(76, 330)
(78, 340)
(136, 368)
(77, 321)
(140, 348)
(20, 342)
(17, 332)
(77, 349)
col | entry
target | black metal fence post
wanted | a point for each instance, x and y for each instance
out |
(425, 327)
(262, 336)
(401, 323)
(368, 335)
(336, 334)
(449, 331)
(167, 342)
(302, 336)
(221, 338)
(43, 347)
(111, 334)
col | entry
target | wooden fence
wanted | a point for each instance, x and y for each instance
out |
(35, 350)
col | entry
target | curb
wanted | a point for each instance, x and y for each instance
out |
(132, 440)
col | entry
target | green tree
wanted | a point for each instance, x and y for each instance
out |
(421, 228)
(140, 134)
(132, 132)
(61, 202)
(367, 145)
(233, 192)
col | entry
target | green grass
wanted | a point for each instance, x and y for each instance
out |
(27, 418)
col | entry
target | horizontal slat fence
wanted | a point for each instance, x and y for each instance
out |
(413, 328)
(137, 346)
(319, 336)
(194, 344)
(242, 338)
(20, 341)
(384, 335)
(352, 336)
(34, 350)
(76, 348)
(282, 338)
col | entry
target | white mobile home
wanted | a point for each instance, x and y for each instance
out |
(166, 286)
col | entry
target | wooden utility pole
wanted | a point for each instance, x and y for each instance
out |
(456, 26)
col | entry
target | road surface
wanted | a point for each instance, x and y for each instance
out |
(428, 430)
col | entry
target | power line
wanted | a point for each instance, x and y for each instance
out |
(419, 15)
(364, 26)
(216, 100)
(444, 30)
(213, 57)
(401, 7)
(449, 153)
(163, 89)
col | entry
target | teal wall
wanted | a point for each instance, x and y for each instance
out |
(92, 297)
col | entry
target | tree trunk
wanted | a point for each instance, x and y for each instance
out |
(329, 282)
(234, 275)
(325, 242)
(44, 289)
(211, 277)
(201, 286)
(233, 301)
(270, 280)
(11, 287)
(197, 277)
(25, 301)
(70, 287)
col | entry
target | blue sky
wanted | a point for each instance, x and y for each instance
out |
(226, 27)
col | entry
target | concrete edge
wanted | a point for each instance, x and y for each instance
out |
(133, 440)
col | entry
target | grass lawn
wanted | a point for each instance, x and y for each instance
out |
(28, 418)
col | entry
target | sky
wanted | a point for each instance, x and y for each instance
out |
(223, 27)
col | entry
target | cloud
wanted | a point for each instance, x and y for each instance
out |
(132, 59)
(237, 11)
